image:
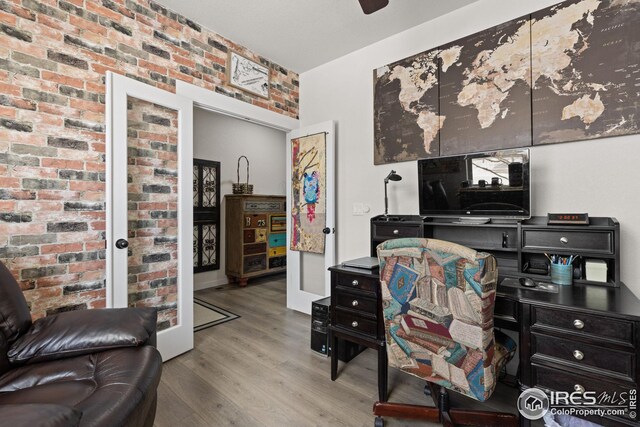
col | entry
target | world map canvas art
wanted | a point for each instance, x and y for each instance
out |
(586, 70)
(566, 73)
(406, 109)
(485, 90)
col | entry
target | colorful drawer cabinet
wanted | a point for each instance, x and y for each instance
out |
(256, 240)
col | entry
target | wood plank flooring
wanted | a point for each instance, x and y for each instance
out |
(260, 371)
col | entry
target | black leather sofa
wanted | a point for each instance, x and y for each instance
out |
(77, 368)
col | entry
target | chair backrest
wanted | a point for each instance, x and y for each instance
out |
(15, 318)
(438, 300)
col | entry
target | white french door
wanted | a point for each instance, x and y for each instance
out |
(307, 276)
(150, 206)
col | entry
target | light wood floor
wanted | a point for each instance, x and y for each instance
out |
(259, 371)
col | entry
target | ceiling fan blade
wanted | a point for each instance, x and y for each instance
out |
(370, 6)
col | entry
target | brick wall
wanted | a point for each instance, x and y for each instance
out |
(53, 59)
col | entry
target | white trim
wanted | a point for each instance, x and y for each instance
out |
(212, 101)
(209, 100)
(109, 190)
(177, 339)
(298, 299)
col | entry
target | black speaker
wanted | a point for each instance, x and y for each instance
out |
(320, 322)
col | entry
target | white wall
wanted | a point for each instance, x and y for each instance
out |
(598, 177)
(224, 139)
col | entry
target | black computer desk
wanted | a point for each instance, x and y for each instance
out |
(584, 338)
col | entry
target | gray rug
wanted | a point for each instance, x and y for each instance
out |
(206, 315)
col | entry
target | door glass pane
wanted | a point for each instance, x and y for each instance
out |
(312, 271)
(152, 171)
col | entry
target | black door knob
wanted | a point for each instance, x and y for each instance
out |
(326, 230)
(122, 244)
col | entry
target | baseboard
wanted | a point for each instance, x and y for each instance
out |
(210, 284)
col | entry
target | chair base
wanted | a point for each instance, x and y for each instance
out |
(443, 413)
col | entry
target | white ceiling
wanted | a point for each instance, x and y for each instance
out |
(302, 34)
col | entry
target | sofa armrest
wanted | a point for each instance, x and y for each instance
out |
(39, 415)
(75, 333)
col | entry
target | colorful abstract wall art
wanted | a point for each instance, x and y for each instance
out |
(308, 193)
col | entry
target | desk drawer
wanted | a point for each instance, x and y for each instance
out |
(396, 231)
(559, 380)
(355, 301)
(506, 309)
(605, 327)
(351, 281)
(596, 241)
(584, 355)
(356, 322)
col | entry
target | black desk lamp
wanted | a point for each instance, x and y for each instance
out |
(393, 176)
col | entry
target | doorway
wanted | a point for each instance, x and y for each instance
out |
(298, 297)
(225, 139)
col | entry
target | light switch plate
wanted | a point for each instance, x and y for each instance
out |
(358, 209)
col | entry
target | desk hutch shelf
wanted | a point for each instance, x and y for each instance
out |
(519, 247)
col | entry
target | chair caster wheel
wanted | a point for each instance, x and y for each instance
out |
(379, 422)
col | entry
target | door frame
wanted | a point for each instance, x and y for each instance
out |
(217, 103)
(222, 104)
(119, 88)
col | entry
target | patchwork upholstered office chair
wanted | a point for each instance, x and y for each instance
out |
(438, 300)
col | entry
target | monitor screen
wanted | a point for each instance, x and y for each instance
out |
(493, 184)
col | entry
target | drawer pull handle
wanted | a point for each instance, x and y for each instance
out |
(564, 240)
(355, 282)
(578, 388)
(578, 324)
(354, 324)
(396, 232)
(354, 303)
(578, 354)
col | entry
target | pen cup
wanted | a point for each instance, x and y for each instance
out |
(562, 274)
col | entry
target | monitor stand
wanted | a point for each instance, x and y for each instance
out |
(472, 221)
(505, 221)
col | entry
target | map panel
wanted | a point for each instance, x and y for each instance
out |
(406, 116)
(485, 90)
(586, 70)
